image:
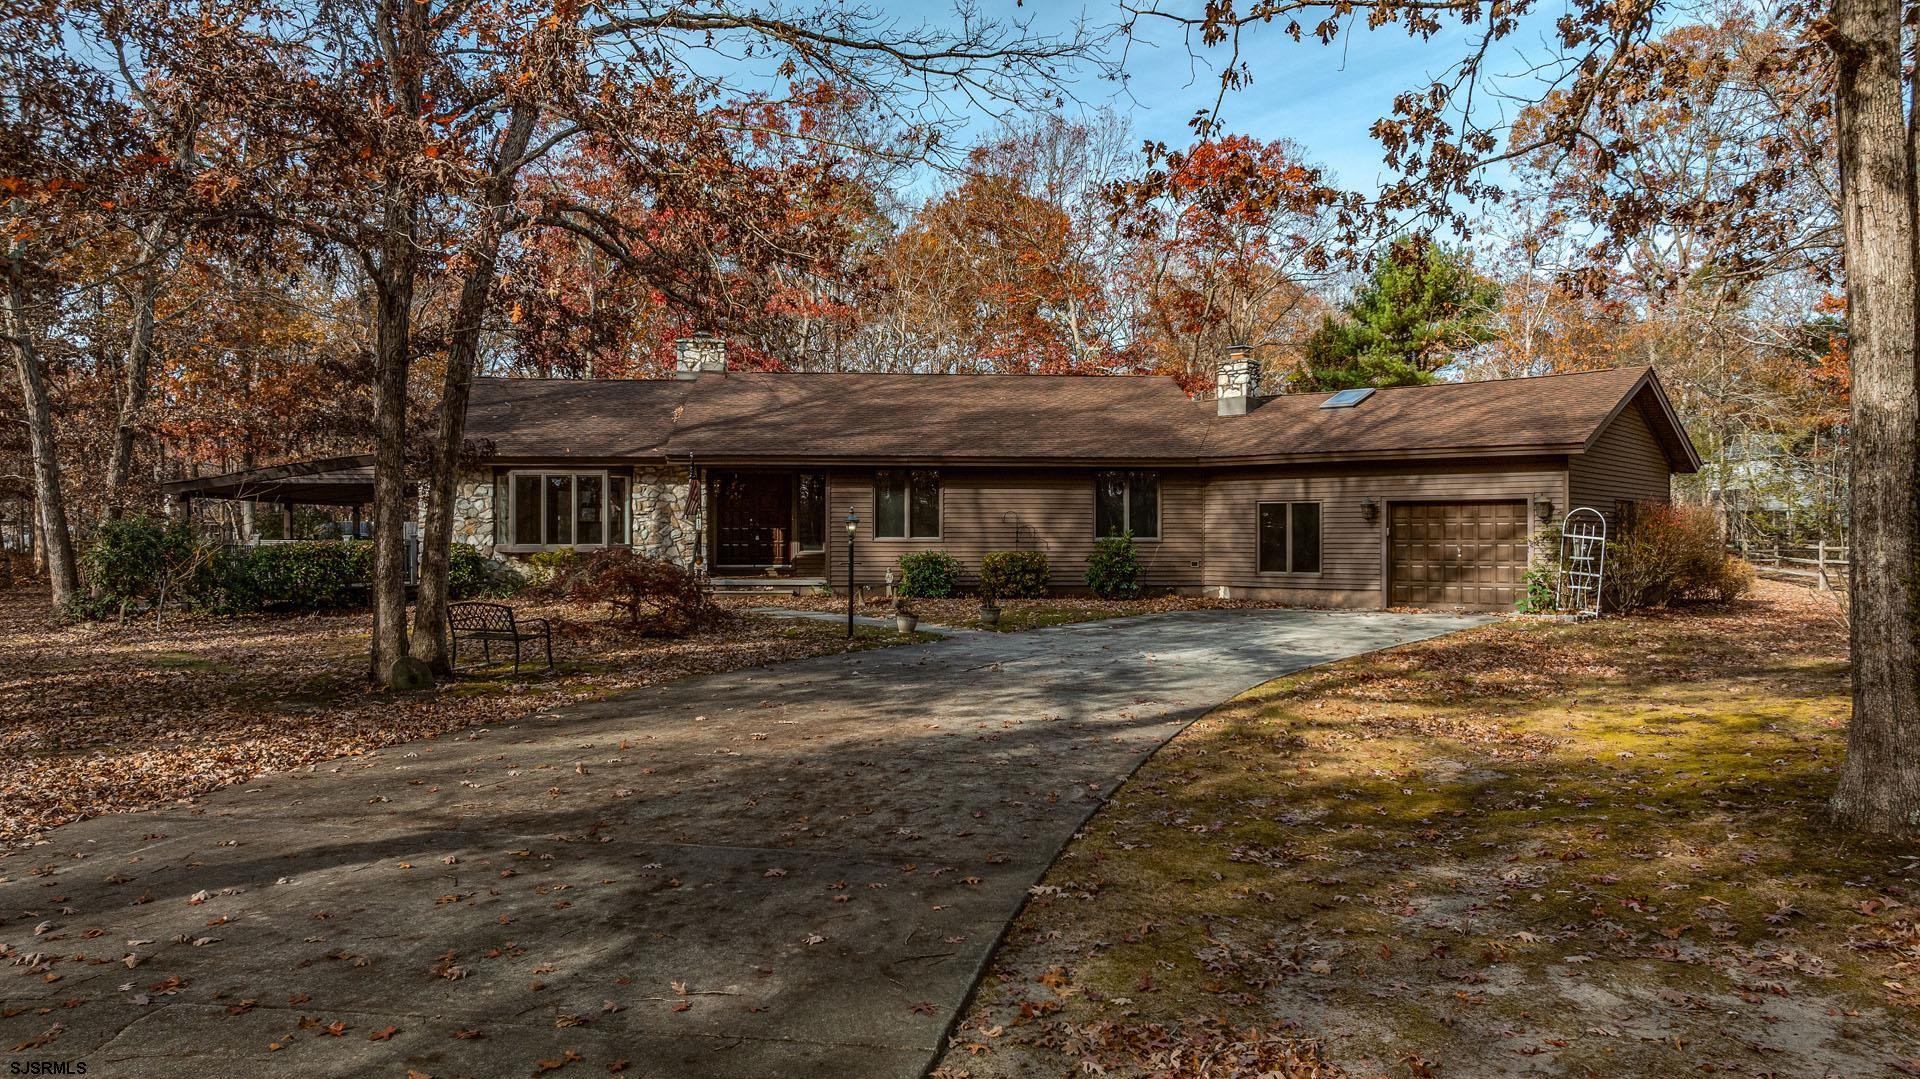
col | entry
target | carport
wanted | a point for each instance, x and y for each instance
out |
(326, 481)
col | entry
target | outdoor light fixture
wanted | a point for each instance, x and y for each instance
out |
(1543, 508)
(853, 526)
(1369, 509)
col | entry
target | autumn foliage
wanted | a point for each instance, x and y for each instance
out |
(654, 596)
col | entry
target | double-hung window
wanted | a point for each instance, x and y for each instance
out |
(1126, 502)
(538, 508)
(1289, 537)
(906, 504)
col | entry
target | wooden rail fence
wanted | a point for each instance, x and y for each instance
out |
(1822, 564)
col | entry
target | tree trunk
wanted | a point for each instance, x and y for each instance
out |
(393, 326)
(138, 383)
(463, 348)
(57, 540)
(1880, 783)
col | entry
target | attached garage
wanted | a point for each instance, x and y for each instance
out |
(1457, 554)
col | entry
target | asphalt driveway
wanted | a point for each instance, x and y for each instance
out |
(790, 871)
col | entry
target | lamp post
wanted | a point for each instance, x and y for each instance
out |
(853, 525)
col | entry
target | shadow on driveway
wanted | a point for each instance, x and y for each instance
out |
(796, 870)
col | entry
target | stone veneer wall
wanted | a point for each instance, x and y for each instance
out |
(659, 525)
(473, 509)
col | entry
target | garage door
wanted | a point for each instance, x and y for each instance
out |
(1458, 554)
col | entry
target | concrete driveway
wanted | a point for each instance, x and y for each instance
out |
(792, 871)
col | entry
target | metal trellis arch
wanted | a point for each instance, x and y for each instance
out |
(1583, 561)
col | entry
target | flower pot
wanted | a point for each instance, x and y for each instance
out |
(906, 622)
(989, 615)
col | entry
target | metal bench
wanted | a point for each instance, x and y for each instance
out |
(490, 622)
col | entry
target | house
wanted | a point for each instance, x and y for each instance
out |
(1405, 496)
(1414, 496)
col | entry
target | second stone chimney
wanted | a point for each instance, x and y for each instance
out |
(1238, 382)
(700, 354)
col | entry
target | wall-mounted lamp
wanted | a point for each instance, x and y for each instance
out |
(1370, 509)
(1543, 508)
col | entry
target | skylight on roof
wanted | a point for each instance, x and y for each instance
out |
(1347, 398)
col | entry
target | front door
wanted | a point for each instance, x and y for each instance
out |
(753, 517)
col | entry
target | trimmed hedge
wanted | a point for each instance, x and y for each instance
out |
(1014, 574)
(323, 575)
(928, 575)
(142, 563)
(328, 575)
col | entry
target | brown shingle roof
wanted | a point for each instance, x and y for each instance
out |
(1550, 413)
(1047, 418)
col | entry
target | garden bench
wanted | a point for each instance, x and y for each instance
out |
(490, 622)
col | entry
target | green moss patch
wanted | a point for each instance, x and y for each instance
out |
(1581, 849)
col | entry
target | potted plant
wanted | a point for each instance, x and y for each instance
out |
(989, 606)
(903, 617)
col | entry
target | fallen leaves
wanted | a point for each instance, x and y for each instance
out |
(566, 1057)
(1491, 845)
(200, 703)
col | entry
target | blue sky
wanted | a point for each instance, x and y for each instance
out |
(1324, 97)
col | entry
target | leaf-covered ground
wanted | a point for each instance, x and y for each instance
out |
(1536, 848)
(101, 718)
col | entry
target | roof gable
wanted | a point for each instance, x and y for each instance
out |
(1648, 395)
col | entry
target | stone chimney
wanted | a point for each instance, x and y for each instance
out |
(1238, 382)
(699, 354)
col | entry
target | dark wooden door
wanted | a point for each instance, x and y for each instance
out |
(753, 516)
(1458, 554)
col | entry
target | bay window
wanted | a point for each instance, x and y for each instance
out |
(539, 508)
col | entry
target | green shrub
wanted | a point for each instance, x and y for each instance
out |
(1670, 554)
(928, 575)
(1014, 575)
(321, 575)
(472, 575)
(1537, 590)
(1113, 569)
(144, 563)
(547, 571)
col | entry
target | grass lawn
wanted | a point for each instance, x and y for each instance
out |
(103, 718)
(1534, 848)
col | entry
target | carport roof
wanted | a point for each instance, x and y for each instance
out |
(327, 481)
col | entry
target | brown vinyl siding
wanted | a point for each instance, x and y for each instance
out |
(1352, 548)
(1626, 464)
(1003, 510)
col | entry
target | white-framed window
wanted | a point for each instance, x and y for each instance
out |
(547, 508)
(906, 503)
(1126, 502)
(810, 511)
(1289, 537)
